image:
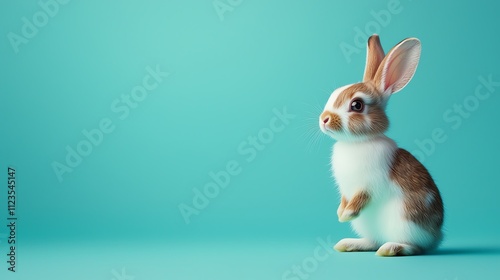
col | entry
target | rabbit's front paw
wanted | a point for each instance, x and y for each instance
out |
(340, 211)
(348, 215)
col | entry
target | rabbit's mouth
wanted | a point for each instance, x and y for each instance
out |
(323, 128)
(328, 131)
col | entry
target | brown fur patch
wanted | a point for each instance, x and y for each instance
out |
(418, 186)
(357, 123)
(335, 122)
(378, 120)
(358, 202)
(348, 93)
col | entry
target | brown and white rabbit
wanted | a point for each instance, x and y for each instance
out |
(388, 195)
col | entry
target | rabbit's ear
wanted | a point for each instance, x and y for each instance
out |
(398, 67)
(374, 56)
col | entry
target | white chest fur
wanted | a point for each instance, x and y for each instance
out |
(363, 165)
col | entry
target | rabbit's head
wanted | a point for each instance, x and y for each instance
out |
(357, 111)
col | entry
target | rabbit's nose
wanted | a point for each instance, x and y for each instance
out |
(325, 120)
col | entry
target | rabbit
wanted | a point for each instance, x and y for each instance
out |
(388, 196)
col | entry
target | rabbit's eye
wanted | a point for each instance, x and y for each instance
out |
(357, 105)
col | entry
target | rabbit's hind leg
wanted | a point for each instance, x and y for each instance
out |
(390, 249)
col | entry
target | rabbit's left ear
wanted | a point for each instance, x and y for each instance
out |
(374, 56)
(398, 67)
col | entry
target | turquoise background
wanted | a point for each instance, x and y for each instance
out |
(119, 208)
